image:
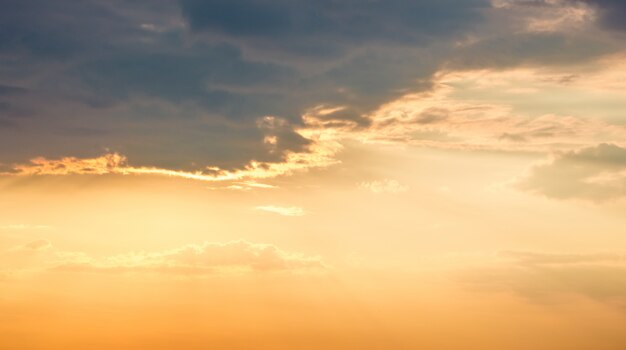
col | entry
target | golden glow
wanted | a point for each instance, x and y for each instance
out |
(458, 218)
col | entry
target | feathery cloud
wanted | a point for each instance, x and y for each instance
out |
(547, 277)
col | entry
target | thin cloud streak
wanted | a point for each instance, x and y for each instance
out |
(284, 211)
(237, 256)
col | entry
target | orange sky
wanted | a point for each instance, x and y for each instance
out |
(271, 175)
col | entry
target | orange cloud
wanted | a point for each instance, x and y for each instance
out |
(438, 119)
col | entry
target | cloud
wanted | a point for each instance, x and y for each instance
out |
(112, 75)
(238, 256)
(384, 186)
(550, 15)
(595, 173)
(285, 211)
(41, 244)
(439, 118)
(608, 13)
(21, 227)
(320, 153)
(538, 258)
(205, 258)
(453, 116)
(548, 277)
(611, 13)
(328, 22)
(179, 87)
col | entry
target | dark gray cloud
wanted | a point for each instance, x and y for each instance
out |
(176, 83)
(182, 83)
(289, 22)
(612, 13)
(524, 48)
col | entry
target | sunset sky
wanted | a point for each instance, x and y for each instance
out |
(313, 175)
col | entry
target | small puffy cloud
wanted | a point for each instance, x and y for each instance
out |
(595, 173)
(384, 186)
(285, 211)
(194, 259)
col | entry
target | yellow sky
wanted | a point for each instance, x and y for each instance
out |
(486, 213)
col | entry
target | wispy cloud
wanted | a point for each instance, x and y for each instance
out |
(384, 186)
(595, 173)
(547, 277)
(238, 256)
(285, 211)
(24, 227)
(208, 257)
(439, 118)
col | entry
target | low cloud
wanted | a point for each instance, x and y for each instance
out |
(208, 257)
(595, 173)
(320, 153)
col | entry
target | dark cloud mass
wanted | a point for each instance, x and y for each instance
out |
(183, 83)
(612, 13)
(290, 21)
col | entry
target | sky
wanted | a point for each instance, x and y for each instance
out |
(330, 174)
